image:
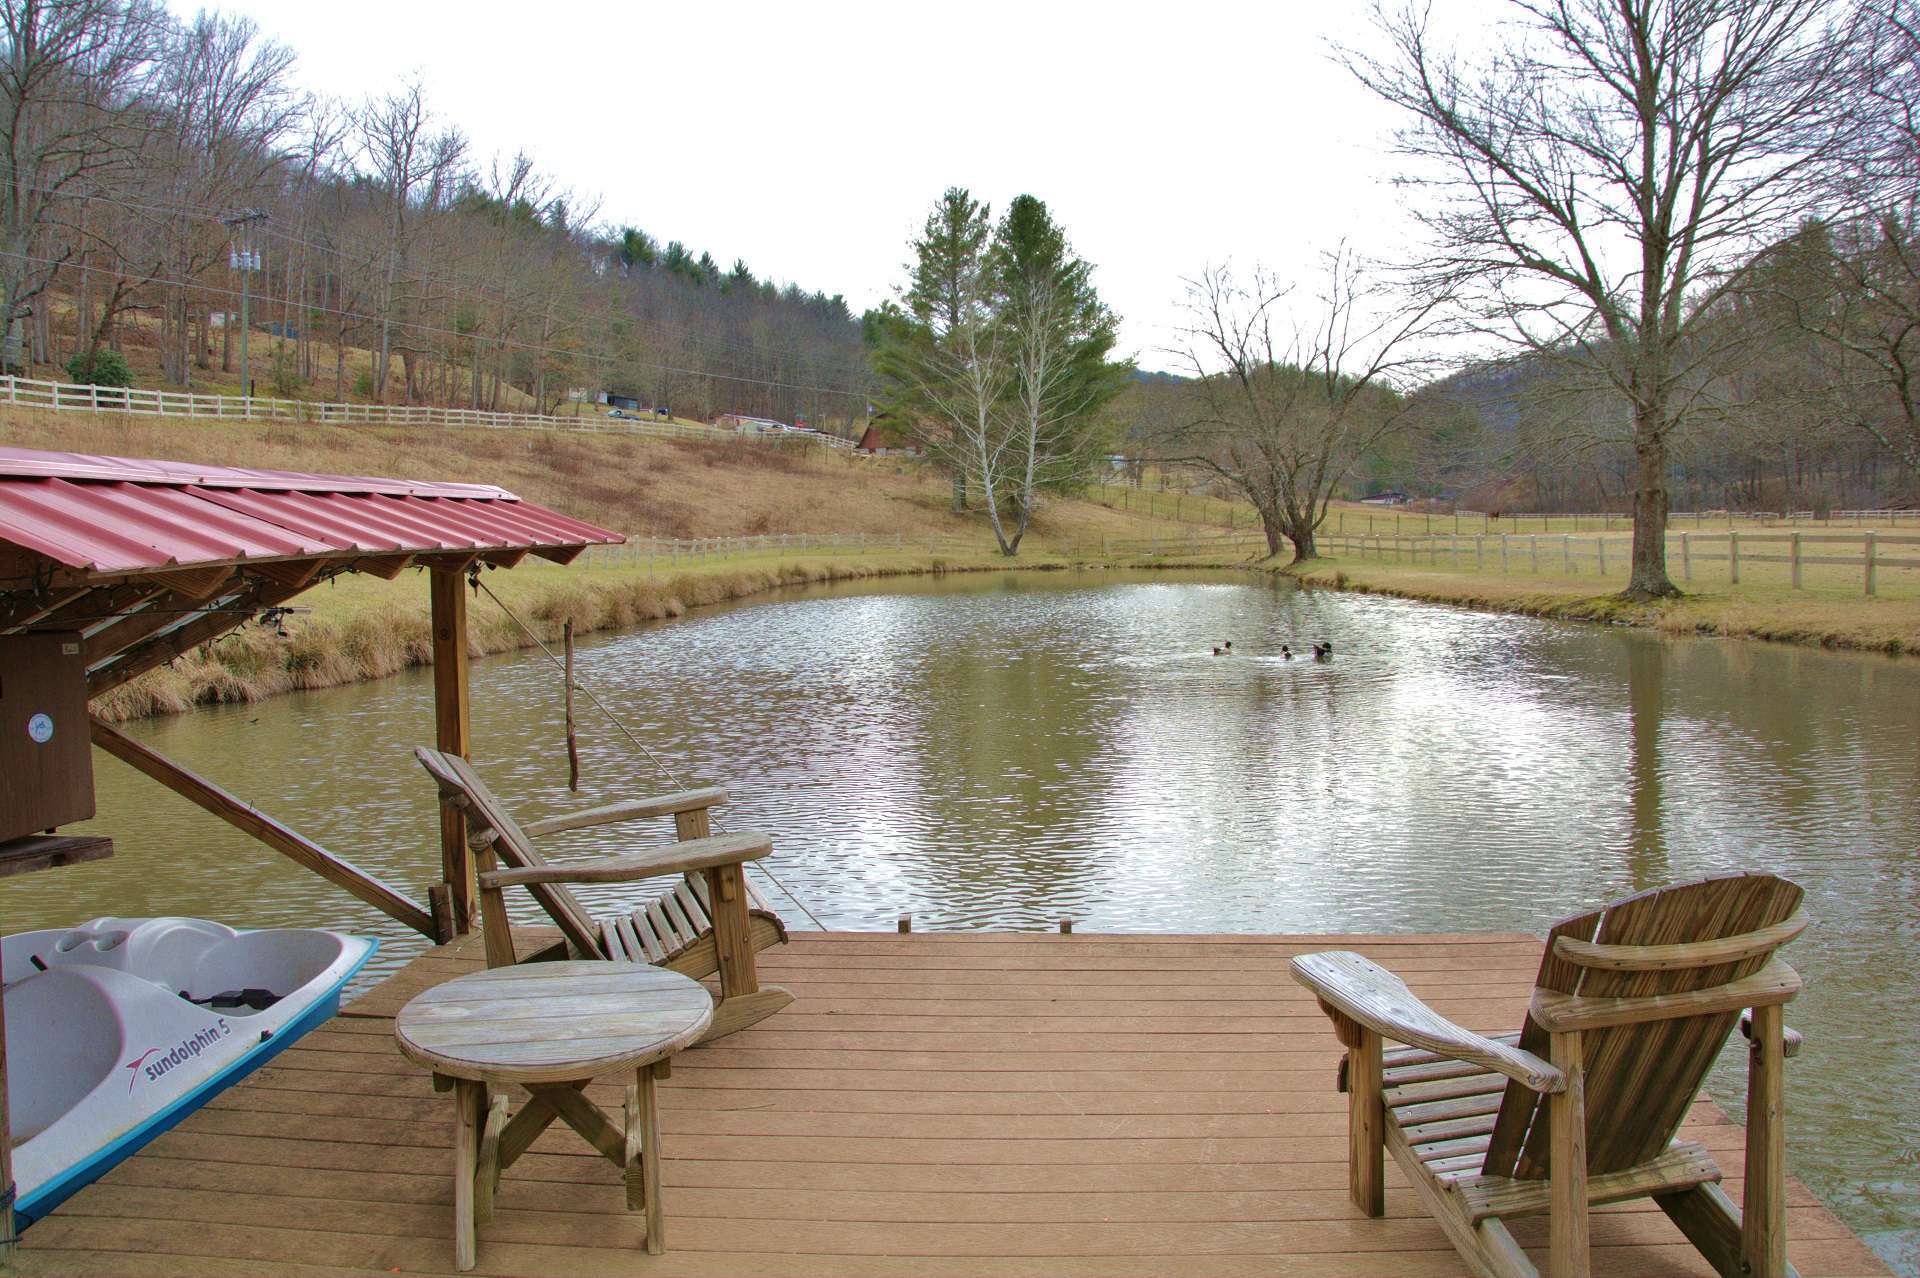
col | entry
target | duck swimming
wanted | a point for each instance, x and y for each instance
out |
(1286, 653)
(1323, 651)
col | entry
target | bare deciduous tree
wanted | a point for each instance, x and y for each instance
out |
(1284, 406)
(69, 80)
(1596, 184)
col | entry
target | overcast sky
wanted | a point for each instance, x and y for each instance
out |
(811, 140)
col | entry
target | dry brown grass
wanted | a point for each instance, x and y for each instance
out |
(647, 486)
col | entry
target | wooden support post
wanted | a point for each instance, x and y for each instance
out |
(1600, 554)
(1793, 555)
(1366, 1125)
(1871, 564)
(573, 741)
(250, 820)
(1066, 927)
(1567, 1202)
(1763, 1213)
(1733, 557)
(452, 727)
(1686, 556)
(8, 1235)
(906, 923)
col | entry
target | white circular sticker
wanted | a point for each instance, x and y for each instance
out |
(40, 728)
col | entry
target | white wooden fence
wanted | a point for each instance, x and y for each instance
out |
(1570, 553)
(666, 554)
(77, 397)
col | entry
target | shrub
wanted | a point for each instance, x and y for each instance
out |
(363, 384)
(103, 367)
(286, 373)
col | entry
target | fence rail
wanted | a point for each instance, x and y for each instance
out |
(661, 553)
(85, 398)
(1573, 552)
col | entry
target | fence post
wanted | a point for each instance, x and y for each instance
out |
(1686, 556)
(1566, 553)
(1733, 557)
(1870, 562)
(1479, 556)
(1600, 553)
(1533, 552)
(1795, 553)
(1503, 552)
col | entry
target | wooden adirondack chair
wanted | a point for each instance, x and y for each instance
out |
(712, 921)
(1632, 1004)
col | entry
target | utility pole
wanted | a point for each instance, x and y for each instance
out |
(243, 257)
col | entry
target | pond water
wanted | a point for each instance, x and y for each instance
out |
(1006, 750)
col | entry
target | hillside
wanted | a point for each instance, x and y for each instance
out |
(644, 486)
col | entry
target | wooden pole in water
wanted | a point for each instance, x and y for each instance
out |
(573, 743)
(453, 727)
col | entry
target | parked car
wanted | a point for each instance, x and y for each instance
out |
(626, 417)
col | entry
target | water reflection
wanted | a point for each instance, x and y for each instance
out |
(1004, 751)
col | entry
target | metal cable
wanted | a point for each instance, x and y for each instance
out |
(637, 743)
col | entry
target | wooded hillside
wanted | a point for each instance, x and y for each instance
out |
(155, 159)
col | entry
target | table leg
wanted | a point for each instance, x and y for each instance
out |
(469, 1102)
(630, 1170)
(486, 1172)
(645, 1101)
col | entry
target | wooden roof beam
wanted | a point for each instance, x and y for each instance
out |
(385, 567)
(137, 659)
(160, 613)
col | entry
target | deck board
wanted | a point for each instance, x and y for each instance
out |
(946, 1105)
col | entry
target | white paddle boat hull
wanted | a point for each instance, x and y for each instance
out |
(119, 1028)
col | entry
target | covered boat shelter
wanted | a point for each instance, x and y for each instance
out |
(140, 561)
(111, 566)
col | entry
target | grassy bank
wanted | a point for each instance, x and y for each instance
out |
(360, 628)
(1832, 617)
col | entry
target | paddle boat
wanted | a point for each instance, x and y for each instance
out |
(119, 1028)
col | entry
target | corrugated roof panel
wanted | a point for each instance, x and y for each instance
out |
(111, 515)
(33, 463)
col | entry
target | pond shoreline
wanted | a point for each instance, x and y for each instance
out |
(1711, 616)
(255, 663)
(333, 650)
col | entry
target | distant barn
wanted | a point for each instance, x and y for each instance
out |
(883, 439)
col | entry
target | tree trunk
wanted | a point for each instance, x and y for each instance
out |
(1271, 525)
(1650, 580)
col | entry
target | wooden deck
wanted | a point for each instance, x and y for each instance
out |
(950, 1105)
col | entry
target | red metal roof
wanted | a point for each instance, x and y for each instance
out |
(107, 515)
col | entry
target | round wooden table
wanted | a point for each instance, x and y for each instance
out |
(550, 1028)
